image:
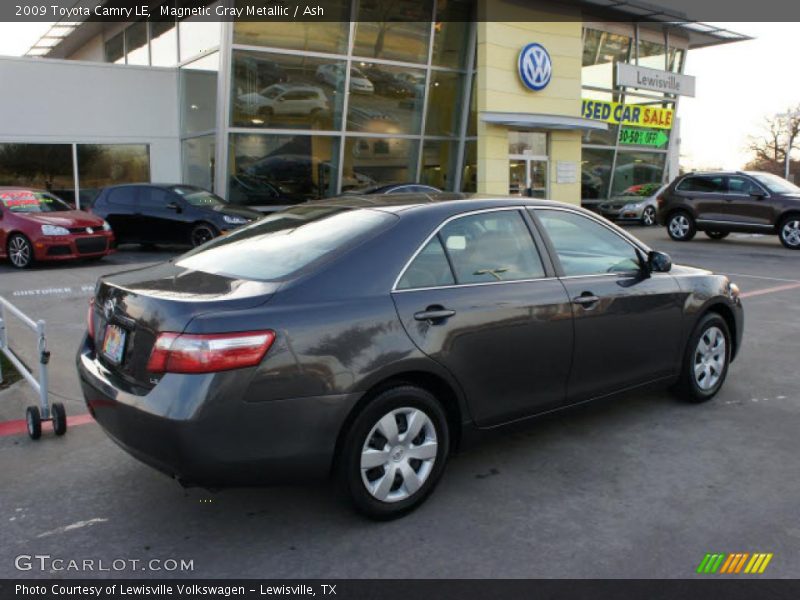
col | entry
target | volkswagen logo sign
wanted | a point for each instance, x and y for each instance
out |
(108, 309)
(535, 67)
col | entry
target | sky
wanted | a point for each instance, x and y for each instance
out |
(737, 86)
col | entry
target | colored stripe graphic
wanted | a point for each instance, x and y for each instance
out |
(734, 562)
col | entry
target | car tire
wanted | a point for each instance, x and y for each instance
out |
(19, 251)
(59, 415)
(717, 235)
(202, 233)
(789, 232)
(681, 226)
(649, 216)
(396, 483)
(706, 360)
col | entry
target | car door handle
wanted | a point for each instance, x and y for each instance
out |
(586, 299)
(434, 314)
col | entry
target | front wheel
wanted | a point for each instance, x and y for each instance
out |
(717, 235)
(20, 251)
(681, 226)
(395, 452)
(201, 234)
(789, 232)
(649, 216)
(706, 360)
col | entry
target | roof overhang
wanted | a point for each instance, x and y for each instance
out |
(539, 121)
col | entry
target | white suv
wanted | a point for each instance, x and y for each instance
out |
(284, 99)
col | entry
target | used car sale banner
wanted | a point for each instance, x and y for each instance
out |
(618, 113)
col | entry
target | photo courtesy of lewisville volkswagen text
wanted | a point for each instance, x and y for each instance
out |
(484, 297)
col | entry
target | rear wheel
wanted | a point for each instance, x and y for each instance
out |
(706, 359)
(681, 226)
(789, 232)
(59, 415)
(20, 251)
(202, 233)
(649, 216)
(395, 452)
(33, 421)
(717, 235)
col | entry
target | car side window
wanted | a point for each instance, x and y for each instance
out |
(154, 198)
(585, 247)
(122, 196)
(704, 184)
(429, 269)
(492, 246)
(742, 186)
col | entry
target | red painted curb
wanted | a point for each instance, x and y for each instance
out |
(19, 426)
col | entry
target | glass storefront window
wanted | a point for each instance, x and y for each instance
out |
(136, 44)
(199, 94)
(472, 123)
(675, 61)
(163, 44)
(637, 168)
(527, 142)
(384, 99)
(328, 36)
(198, 161)
(450, 32)
(279, 170)
(100, 165)
(370, 161)
(41, 166)
(595, 173)
(437, 164)
(445, 93)
(197, 35)
(652, 55)
(115, 49)
(469, 173)
(601, 50)
(277, 91)
(393, 30)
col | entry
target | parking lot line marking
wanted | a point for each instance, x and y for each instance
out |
(771, 290)
(19, 426)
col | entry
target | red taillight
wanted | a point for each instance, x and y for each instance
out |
(90, 318)
(206, 353)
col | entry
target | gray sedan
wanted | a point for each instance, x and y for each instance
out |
(638, 203)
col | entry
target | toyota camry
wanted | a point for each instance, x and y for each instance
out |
(366, 337)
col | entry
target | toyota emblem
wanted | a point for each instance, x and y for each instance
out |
(89, 230)
(108, 309)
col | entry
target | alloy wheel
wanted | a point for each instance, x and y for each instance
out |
(398, 454)
(709, 358)
(201, 235)
(790, 233)
(679, 226)
(19, 251)
(649, 216)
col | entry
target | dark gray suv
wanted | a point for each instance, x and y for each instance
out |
(721, 202)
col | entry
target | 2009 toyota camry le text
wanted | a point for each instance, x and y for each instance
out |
(365, 337)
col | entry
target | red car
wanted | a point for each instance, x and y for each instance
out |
(35, 225)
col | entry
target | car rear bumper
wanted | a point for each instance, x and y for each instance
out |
(202, 430)
(72, 247)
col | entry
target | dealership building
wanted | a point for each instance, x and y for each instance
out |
(574, 101)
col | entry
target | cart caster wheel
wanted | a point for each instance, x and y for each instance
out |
(34, 420)
(59, 418)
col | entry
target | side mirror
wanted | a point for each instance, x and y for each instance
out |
(659, 262)
(758, 194)
(174, 206)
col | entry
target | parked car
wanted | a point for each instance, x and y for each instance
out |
(396, 188)
(369, 336)
(37, 226)
(334, 75)
(145, 213)
(387, 84)
(637, 203)
(721, 202)
(284, 99)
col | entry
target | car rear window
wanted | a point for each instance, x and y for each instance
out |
(287, 242)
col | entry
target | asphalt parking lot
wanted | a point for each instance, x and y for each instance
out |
(639, 486)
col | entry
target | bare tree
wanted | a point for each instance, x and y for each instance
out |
(771, 149)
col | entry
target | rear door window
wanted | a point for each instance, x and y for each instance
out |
(287, 242)
(429, 269)
(703, 184)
